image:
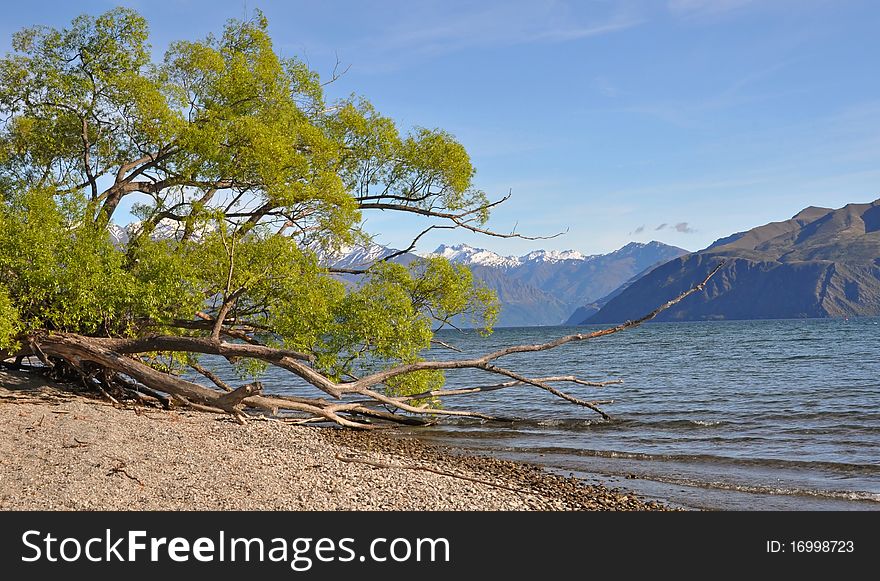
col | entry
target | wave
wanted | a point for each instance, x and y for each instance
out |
(738, 429)
(834, 429)
(812, 356)
(599, 423)
(706, 423)
(863, 473)
(839, 467)
(852, 495)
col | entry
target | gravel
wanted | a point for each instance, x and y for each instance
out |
(65, 451)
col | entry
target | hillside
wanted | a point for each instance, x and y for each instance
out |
(820, 263)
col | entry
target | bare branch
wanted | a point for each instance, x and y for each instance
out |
(415, 241)
(506, 384)
(461, 219)
(482, 362)
(86, 158)
(336, 75)
(551, 389)
(400, 404)
(211, 375)
(446, 345)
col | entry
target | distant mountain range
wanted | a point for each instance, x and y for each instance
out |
(545, 287)
(166, 229)
(542, 287)
(820, 263)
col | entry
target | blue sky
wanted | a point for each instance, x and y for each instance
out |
(604, 118)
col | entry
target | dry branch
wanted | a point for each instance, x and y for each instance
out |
(115, 357)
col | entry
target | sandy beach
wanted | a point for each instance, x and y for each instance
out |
(61, 450)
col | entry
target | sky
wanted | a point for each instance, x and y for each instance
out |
(681, 121)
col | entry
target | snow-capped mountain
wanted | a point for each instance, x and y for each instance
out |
(166, 229)
(118, 235)
(362, 256)
(555, 256)
(464, 254)
(542, 287)
(551, 284)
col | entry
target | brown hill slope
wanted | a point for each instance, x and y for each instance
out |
(821, 263)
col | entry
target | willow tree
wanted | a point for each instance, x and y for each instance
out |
(243, 180)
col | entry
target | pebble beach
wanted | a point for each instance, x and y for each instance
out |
(61, 450)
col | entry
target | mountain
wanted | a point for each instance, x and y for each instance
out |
(522, 304)
(166, 229)
(544, 287)
(820, 263)
(584, 312)
(361, 257)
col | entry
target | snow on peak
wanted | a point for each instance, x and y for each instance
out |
(166, 229)
(366, 253)
(118, 235)
(554, 255)
(464, 254)
(359, 256)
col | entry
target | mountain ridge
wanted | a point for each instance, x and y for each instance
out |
(541, 287)
(822, 262)
(545, 287)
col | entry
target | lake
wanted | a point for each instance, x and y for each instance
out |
(746, 415)
(742, 415)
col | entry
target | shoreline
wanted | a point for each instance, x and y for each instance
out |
(60, 450)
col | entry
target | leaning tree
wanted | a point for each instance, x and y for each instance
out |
(245, 182)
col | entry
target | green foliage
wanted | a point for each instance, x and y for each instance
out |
(420, 168)
(64, 86)
(236, 149)
(415, 383)
(9, 322)
(63, 273)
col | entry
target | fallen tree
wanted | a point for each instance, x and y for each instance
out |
(245, 183)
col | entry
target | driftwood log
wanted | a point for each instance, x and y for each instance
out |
(112, 364)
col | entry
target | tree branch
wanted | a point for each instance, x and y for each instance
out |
(460, 219)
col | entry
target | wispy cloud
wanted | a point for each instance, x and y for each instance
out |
(749, 89)
(681, 227)
(684, 228)
(576, 33)
(496, 25)
(638, 230)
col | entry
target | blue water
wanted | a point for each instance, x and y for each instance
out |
(746, 415)
(742, 415)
